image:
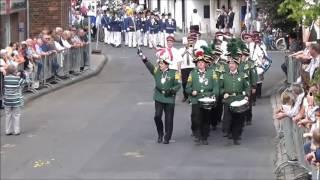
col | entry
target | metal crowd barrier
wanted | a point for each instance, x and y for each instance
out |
(293, 69)
(63, 64)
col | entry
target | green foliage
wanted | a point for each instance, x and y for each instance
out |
(316, 81)
(279, 20)
(233, 47)
(300, 10)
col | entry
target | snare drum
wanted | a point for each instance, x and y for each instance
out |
(207, 103)
(239, 106)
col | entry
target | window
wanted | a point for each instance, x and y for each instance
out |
(206, 11)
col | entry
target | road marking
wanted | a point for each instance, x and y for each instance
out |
(145, 103)
(31, 135)
(41, 163)
(134, 154)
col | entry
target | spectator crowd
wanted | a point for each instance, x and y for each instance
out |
(300, 102)
(23, 66)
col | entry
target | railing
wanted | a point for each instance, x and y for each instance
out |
(290, 159)
(50, 68)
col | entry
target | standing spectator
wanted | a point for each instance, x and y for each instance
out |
(221, 21)
(230, 19)
(195, 21)
(293, 47)
(13, 99)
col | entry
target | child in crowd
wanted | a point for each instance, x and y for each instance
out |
(13, 99)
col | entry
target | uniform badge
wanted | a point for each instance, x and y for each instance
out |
(163, 80)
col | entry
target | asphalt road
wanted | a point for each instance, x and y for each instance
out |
(102, 128)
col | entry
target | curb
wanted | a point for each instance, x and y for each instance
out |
(66, 83)
(84, 76)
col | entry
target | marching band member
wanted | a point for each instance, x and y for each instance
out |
(199, 42)
(131, 29)
(145, 21)
(234, 87)
(187, 64)
(258, 56)
(170, 26)
(167, 84)
(218, 65)
(140, 29)
(162, 30)
(116, 30)
(247, 66)
(105, 21)
(202, 82)
(153, 30)
(174, 54)
(125, 25)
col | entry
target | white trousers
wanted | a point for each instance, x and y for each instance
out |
(126, 38)
(145, 39)
(140, 38)
(12, 119)
(132, 38)
(107, 35)
(116, 36)
(162, 39)
(153, 40)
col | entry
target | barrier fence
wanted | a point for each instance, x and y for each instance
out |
(290, 161)
(51, 68)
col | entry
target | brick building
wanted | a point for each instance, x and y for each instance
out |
(13, 21)
(48, 14)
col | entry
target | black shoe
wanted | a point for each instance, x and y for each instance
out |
(166, 141)
(197, 141)
(160, 139)
(248, 123)
(229, 136)
(184, 99)
(204, 142)
(225, 135)
(17, 134)
(236, 142)
(254, 104)
(9, 134)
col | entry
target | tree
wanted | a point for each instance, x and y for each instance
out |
(304, 11)
(279, 20)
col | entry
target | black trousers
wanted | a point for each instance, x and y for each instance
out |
(248, 114)
(195, 28)
(217, 113)
(168, 110)
(200, 122)
(232, 122)
(184, 78)
(259, 90)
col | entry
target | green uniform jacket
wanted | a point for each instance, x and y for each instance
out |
(209, 87)
(165, 92)
(250, 69)
(237, 86)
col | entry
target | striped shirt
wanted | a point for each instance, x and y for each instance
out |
(13, 91)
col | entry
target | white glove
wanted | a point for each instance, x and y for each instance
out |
(246, 98)
(226, 95)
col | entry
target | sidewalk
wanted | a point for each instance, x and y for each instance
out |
(96, 65)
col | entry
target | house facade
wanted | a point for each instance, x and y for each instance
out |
(181, 10)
